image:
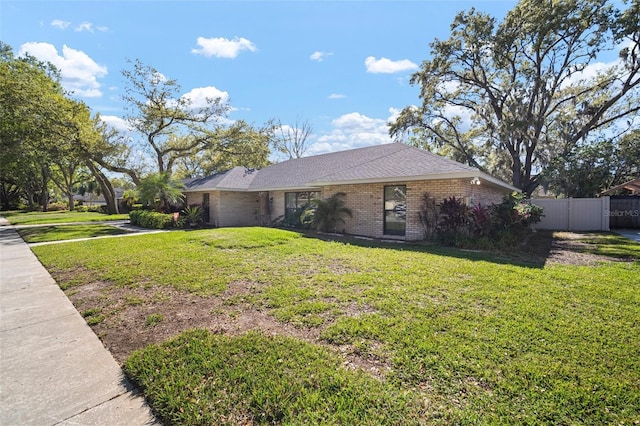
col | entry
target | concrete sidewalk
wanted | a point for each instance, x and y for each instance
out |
(632, 234)
(53, 369)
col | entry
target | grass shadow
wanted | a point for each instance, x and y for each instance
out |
(533, 252)
(67, 232)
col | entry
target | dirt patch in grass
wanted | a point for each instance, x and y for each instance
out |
(137, 317)
(569, 248)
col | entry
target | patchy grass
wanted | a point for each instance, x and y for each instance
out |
(153, 320)
(464, 337)
(201, 378)
(93, 316)
(67, 232)
(38, 218)
(612, 245)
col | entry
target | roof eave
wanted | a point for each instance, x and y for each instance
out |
(214, 188)
(289, 188)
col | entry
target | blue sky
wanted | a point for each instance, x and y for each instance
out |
(342, 66)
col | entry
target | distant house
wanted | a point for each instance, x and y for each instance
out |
(384, 187)
(631, 187)
(91, 199)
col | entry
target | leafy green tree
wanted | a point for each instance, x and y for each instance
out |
(68, 170)
(509, 97)
(329, 212)
(628, 158)
(592, 168)
(239, 144)
(31, 101)
(160, 191)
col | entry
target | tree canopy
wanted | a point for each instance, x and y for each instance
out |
(175, 131)
(510, 97)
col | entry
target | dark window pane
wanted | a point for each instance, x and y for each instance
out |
(395, 209)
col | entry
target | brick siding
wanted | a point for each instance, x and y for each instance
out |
(366, 203)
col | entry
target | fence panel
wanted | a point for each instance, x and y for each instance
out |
(625, 212)
(574, 214)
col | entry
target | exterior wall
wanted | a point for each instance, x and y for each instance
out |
(366, 203)
(277, 205)
(238, 209)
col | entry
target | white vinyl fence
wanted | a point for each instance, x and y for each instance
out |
(574, 214)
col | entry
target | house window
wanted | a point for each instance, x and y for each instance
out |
(395, 209)
(206, 213)
(296, 200)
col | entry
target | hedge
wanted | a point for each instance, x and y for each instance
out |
(150, 219)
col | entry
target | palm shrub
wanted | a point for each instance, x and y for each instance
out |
(329, 212)
(194, 215)
(130, 198)
(159, 191)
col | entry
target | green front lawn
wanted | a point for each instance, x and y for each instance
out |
(38, 218)
(456, 336)
(66, 232)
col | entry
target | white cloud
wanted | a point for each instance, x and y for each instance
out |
(116, 123)
(336, 96)
(320, 56)
(221, 47)
(395, 113)
(59, 23)
(387, 66)
(353, 130)
(85, 26)
(589, 73)
(464, 114)
(79, 73)
(199, 95)
(448, 87)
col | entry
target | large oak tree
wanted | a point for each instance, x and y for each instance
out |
(511, 96)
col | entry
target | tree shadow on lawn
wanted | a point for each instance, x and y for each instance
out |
(537, 250)
(67, 232)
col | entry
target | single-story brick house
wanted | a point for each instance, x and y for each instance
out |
(384, 187)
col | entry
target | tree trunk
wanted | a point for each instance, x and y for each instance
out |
(70, 201)
(44, 190)
(108, 192)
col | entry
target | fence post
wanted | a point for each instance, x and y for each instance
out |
(570, 215)
(606, 207)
